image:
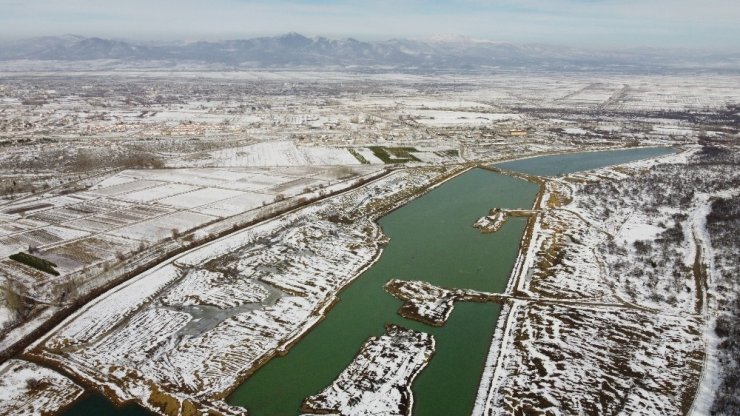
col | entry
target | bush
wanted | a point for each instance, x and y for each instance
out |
(394, 154)
(141, 160)
(343, 172)
(358, 156)
(35, 262)
(16, 299)
(33, 384)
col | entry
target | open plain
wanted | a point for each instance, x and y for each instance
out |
(166, 235)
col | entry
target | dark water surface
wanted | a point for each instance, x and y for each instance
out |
(95, 404)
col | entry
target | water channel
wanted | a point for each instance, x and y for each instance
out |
(431, 239)
(556, 165)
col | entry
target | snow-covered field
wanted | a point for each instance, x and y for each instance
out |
(133, 217)
(143, 205)
(272, 153)
(181, 334)
(616, 282)
(211, 152)
(27, 389)
(378, 381)
(572, 359)
(456, 118)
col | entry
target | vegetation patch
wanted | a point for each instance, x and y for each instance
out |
(35, 262)
(394, 154)
(448, 153)
(402, 152)
(343, 172)
(87, 161)
(360, 158)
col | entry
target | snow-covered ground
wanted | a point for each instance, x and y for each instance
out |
(431, 304)
(497, 218)
(145, 205)
(27, 389)
(378, 381)
(596, 360)
(423, 301)
(7, 315)
(272, 153)
(132, 207)
(134, 216)
(172, 328)
(459, 118)
(618, 280)
(235, 147)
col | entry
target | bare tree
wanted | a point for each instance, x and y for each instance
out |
(343, 172)
(67, 291)
(16, 297)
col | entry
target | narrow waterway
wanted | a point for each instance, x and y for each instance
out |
(563, 164)
(432, 239)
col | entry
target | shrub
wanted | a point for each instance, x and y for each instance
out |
(358, 156)
(394, 154)
(35, 262)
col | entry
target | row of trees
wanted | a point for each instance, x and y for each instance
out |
(723, 223)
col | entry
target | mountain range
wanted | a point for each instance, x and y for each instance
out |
(295, 50)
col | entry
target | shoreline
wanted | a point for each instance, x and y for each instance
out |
(525, 258)
(457, 170)
(449, 173)
(487, 397)
(591, 150)
(328, 306)
(28, 340)
(502, 331)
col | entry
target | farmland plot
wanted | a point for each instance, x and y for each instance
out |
(272, 153)
(185, 341)
(135, 216)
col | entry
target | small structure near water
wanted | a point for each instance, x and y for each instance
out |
(430, 304)
(497, 217)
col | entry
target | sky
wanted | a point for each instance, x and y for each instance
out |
(706, 24)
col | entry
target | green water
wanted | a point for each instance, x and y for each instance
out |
(431, 239)
(95, 404)
(576, 162)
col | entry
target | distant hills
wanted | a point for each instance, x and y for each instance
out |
(294, 50)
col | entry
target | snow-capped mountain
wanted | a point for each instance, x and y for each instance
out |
(296, 50)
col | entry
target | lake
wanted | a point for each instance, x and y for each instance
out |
(431, 239)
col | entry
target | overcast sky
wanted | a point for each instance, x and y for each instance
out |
(596, 23)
